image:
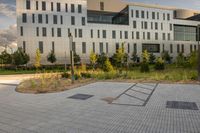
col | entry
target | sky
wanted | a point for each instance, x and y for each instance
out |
(8, 15)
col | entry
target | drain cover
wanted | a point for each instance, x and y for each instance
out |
(81, 96)
(181, 105)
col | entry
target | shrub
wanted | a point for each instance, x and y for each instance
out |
(37, 59)
(77, 76)
(101, 60)
(107, 66)
(93, 59)
(181, 60)
(160, 64)
(134, 57)
(193, 59)
(6, 57)
(77, 58)
(166, 57)
(66, 75)
(152, 58)
(51, 57)
(86, 75)
(20, 57)
(144, 67)
(145, 62)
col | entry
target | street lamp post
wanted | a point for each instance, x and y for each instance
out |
(198, 31)
(71, 57)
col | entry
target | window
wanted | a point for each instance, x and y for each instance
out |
(101, 47)
(163, 47)
(72, 20)
(33, 18)
(93, 47)
(61, 19)
(135, 48)
(156, 25)
(58, 7)
(80, 33)
(169, 38)
(39, 18)
(128, 48)
(41, 47)
(164, 38)
(132, 13)
(83, 20)
(126, 34)
(156, 36)
(161, 26)
(158, 15)
(132, 35)
(79, 8)
(106, 47)
(134, 24)
(178, 48)
(66, 7)
(142, 24)
(117, 47)
(143, 35)
(153, 15)
(75, 33)
(152, 25)
(55, 19)
(145, 25)
(104, 33)
(74, 47)
(59, 32)
(44, 31)
(171, 48)
(148, 35)
(168, 16)
(47, 19)
(98, 34)
(24, 17)
(28, 4)
(53, 47)
(84, 47)
(102, 6)
(137, 14)
(182, 48)
(171, 27)
(91, 33)
(43, 5)
(52, 32)
(191, 48)
(72, 8)
(147, 14)
(137, 35)
(120, 34)
(163, 16)
(185, 33)
(51, 6)
(195, 48)
(21, 31)
(24, 47)
(151, 48)
(114, 34)
(142, 14)
(37, 31)
(36, 5)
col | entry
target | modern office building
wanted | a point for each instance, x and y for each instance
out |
(102, 26)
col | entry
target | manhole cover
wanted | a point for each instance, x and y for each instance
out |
(81, 96)
(182, 105)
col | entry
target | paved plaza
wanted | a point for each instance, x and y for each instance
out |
(137, 108)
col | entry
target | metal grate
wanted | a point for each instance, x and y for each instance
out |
(81, 96)
(181, 105)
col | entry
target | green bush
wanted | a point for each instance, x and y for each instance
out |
(101, 60)
(193, 59)
(66, 75)
(152, 58)
(181, 60)
(77, 76)
(86, 75)
(160, 64)
(166, 57)
(107, 66)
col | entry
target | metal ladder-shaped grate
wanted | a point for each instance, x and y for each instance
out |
(136, 95)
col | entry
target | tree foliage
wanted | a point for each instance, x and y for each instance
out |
(101, 60)
(152, 58)
(93, 59)
(134, 57)
(166, 57)
(51, 57)
(193, 59)
(160, 64)
(6, 57)
(107, 66)
(77, 58)
(20, 57)
(37, 59)
(145, 62)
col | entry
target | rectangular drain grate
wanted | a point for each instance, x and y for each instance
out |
(81, 96)
(181, 105)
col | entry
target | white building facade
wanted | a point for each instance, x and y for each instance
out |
(45, 25)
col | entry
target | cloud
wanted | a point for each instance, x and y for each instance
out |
(8, 36)
(8, 10)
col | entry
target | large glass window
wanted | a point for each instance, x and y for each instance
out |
(184, 33)
(151, 48)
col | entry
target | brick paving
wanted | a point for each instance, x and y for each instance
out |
(56, 113)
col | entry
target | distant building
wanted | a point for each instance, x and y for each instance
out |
(102, 26)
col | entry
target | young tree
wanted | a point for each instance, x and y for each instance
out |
(37, 59)
(166, 57)
(152, 58)
(51, 57)
(20, 57)
(77, 58)
(6, 57)
(107, 66)
(160, 64)
(193, 59)
(145, 62)
(134, 57)
(93, 59)
(101, 60)
(119, 58)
